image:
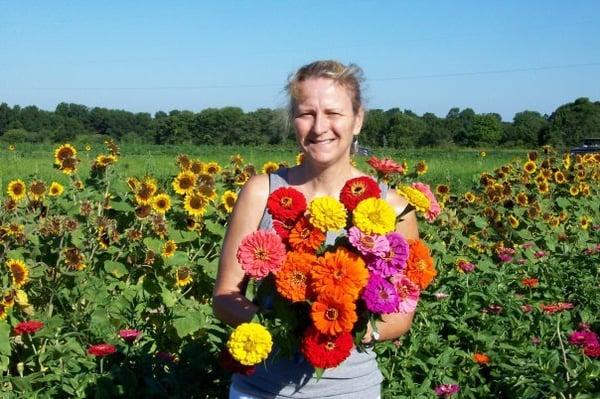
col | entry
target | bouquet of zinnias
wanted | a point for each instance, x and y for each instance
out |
(326, 269)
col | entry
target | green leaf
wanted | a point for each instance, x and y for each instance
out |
(121, 206)
(563, 202)
(117, 269)
(180, 236)
(4, 342)
(153, 244)
(186, 325)
(167, 297)
(214, 228)
(178, 259)
(480, 222)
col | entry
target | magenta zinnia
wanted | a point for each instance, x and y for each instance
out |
(394, 260)
(260, 253)
(380, 296)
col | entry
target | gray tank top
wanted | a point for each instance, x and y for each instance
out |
(357, 376)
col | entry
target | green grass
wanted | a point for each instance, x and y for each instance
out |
(457, 167)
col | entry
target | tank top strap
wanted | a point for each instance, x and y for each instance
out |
(276, 180)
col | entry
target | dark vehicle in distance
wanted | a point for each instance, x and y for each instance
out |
(587, 145)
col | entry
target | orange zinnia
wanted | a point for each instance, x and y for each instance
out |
(481, 358)
(293, 279)
(304, 237)
(334, 314)
(419, 267)
(340, 272)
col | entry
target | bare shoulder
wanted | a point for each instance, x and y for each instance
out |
(257, 188)
(407, 226)
(397, 201)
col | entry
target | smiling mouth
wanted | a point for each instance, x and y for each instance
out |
(327, 141)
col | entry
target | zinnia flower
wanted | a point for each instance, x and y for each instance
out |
(408, 293)
(129, 335)
(358, 189)
(368, 244)
(325, 351)
(334, 314)
(283, 228)
(583, 338)
(394, 259)
(385, 166)
(293, 279)
(481, 358)
(465, 266)
(304, 237)
(530, 282)
(100, 350)
(286, 203)
(28, 327)
(260, 253)
(447, 390)
(227, 361)
(419, 266)
(380, 295)
(339, 272)
(434, 207)
(592, 350)
(414, 197)
(250, 343)
(327, 213)
(374, 216)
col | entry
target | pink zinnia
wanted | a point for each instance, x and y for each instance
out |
(261, 253)
(368, 243)
(408, 293)
(101, 350)
(583, 338)
(129, 335)
(434, 207)
(506, 254)
(393, 260)
(447, 390)
(380, 296)
(28, 327)
(385, 166)
(540, 254)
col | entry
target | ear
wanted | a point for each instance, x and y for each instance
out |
(358, 121)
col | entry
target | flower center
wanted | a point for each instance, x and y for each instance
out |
(358, 189)
(286, 202)
(260, 254)
(305, 233)
(298, 278)
(367, 242)
(331, 314)
(330, 346)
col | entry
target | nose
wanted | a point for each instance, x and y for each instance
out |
(321, 124)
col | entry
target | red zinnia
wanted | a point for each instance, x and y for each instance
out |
(286, 203)
(100, 350)
(325, 351)
(129, 335)
(304, 237)
(592, 350)
(230, 364)
(28, 327)
(385, 166)
(283, 228)
(530, 282)
(358, 189)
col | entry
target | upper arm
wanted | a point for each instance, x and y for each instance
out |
(245, 218)
(408, 225)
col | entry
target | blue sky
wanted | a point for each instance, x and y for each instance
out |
(426, 56)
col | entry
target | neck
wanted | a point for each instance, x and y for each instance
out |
(327, 180)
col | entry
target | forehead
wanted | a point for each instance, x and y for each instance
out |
(323, 92)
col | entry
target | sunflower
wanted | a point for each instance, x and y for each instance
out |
(184, 182)
(195, 204)
(241, 179)
(442, 189)
(470, 197)
(133, 183)
(584, 189)
(514, 222)
(580, 174)
(16, 190)
(236, 160)
(228, 200)
(530, 167)
(11, 147)
(74, 259)
(522, 199)
(585, 222)
(566, 161)
(205, 185)
(3, 311)
(20, 273)
(169, 249)
(212, 168)
(55, 189)
(421, 168)
(197, 167)
(543, 187)
(299, 158)
(37, 189)
(183, 276)
(532, 156)
(183, 161)
(102, 161)
(559, 177)
(482, 154)
(68, 165)
(64, 152)
(573, 190)
(161, 203)
(88, 147)
(146, 191)
(269, 167)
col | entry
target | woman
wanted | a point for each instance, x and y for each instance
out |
(327, 114)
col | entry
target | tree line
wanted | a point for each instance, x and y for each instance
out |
(395, 128)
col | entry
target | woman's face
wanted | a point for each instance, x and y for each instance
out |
(325, 121)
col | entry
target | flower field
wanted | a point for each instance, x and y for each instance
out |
(107, 274)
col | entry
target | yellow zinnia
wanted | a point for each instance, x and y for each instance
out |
(414, 197)
(55, 189)
(327, 213)
(250, 343)
(374, 216)
(16, 190)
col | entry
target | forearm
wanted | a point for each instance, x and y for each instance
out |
(390, 327)
(233, 308)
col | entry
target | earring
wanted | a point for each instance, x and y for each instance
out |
(354, 146)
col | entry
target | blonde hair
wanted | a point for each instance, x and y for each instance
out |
(348, 76)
